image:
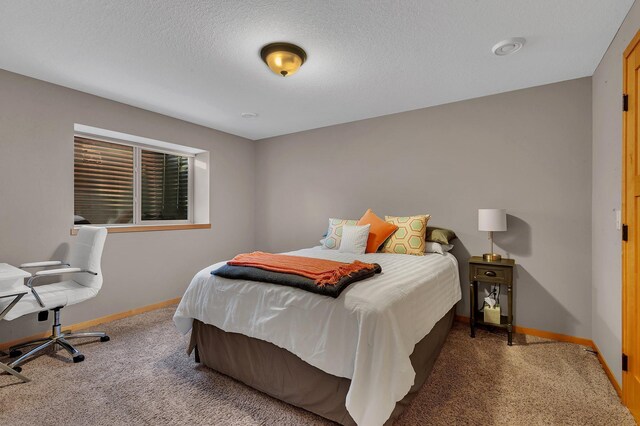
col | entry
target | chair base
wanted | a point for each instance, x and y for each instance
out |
(57, 338)
(14, 372)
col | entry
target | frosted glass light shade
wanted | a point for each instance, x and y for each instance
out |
(284, 59)
(492, 219)
(284, 63)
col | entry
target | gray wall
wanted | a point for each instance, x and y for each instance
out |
(607, 190)
(528, 151)
(36, 197)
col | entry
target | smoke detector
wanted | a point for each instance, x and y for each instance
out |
(508, 46)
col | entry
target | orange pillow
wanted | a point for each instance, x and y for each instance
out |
(379, 230)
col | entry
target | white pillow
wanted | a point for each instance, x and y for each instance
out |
(354, 239)
(432, 247)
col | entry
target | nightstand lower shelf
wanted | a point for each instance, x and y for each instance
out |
(504, 320)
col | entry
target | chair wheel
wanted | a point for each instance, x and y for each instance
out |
(105, 338)
(14, 354)
(17, 369)
(78, 358)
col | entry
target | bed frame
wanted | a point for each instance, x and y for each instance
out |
(283, 375)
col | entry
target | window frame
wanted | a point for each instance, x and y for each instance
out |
(137, 221)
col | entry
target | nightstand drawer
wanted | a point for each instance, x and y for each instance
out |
(492, 274)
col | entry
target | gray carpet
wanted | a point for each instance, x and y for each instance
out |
(143, 376)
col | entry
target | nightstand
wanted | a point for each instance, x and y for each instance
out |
(499, 272)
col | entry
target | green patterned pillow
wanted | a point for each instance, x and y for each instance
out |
(410, 236)
(334, 233)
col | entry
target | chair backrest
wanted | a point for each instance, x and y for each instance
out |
(86, 253)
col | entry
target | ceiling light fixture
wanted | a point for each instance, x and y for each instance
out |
(249, 115)
(508, 46)
(284, 59)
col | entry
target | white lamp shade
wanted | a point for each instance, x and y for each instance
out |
(492, 220)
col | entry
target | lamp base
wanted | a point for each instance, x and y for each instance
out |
(491, 257)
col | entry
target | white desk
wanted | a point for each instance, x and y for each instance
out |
(12, 278)
(12, 288)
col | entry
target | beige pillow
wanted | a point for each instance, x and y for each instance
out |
(334, 233)
(410, 238)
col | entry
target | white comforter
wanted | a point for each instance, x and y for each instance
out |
(365, 335)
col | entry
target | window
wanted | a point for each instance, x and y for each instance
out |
(103, 182)
(122, 184)
(165, 186)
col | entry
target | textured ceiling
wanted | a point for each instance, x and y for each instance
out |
(198, 60)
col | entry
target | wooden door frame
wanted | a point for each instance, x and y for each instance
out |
(625, 219)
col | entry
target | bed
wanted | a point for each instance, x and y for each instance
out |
(355, 359)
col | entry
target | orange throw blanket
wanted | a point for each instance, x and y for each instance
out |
(323, 272)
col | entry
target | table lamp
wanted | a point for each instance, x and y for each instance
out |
(492, 220)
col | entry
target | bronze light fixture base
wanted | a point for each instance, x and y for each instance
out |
(491, 257)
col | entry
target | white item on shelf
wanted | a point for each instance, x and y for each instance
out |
(492, 314)
(490, 301)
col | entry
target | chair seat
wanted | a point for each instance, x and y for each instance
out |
(53, 296)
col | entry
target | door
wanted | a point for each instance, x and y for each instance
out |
(631, 212)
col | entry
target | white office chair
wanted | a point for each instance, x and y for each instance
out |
(84, 267)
